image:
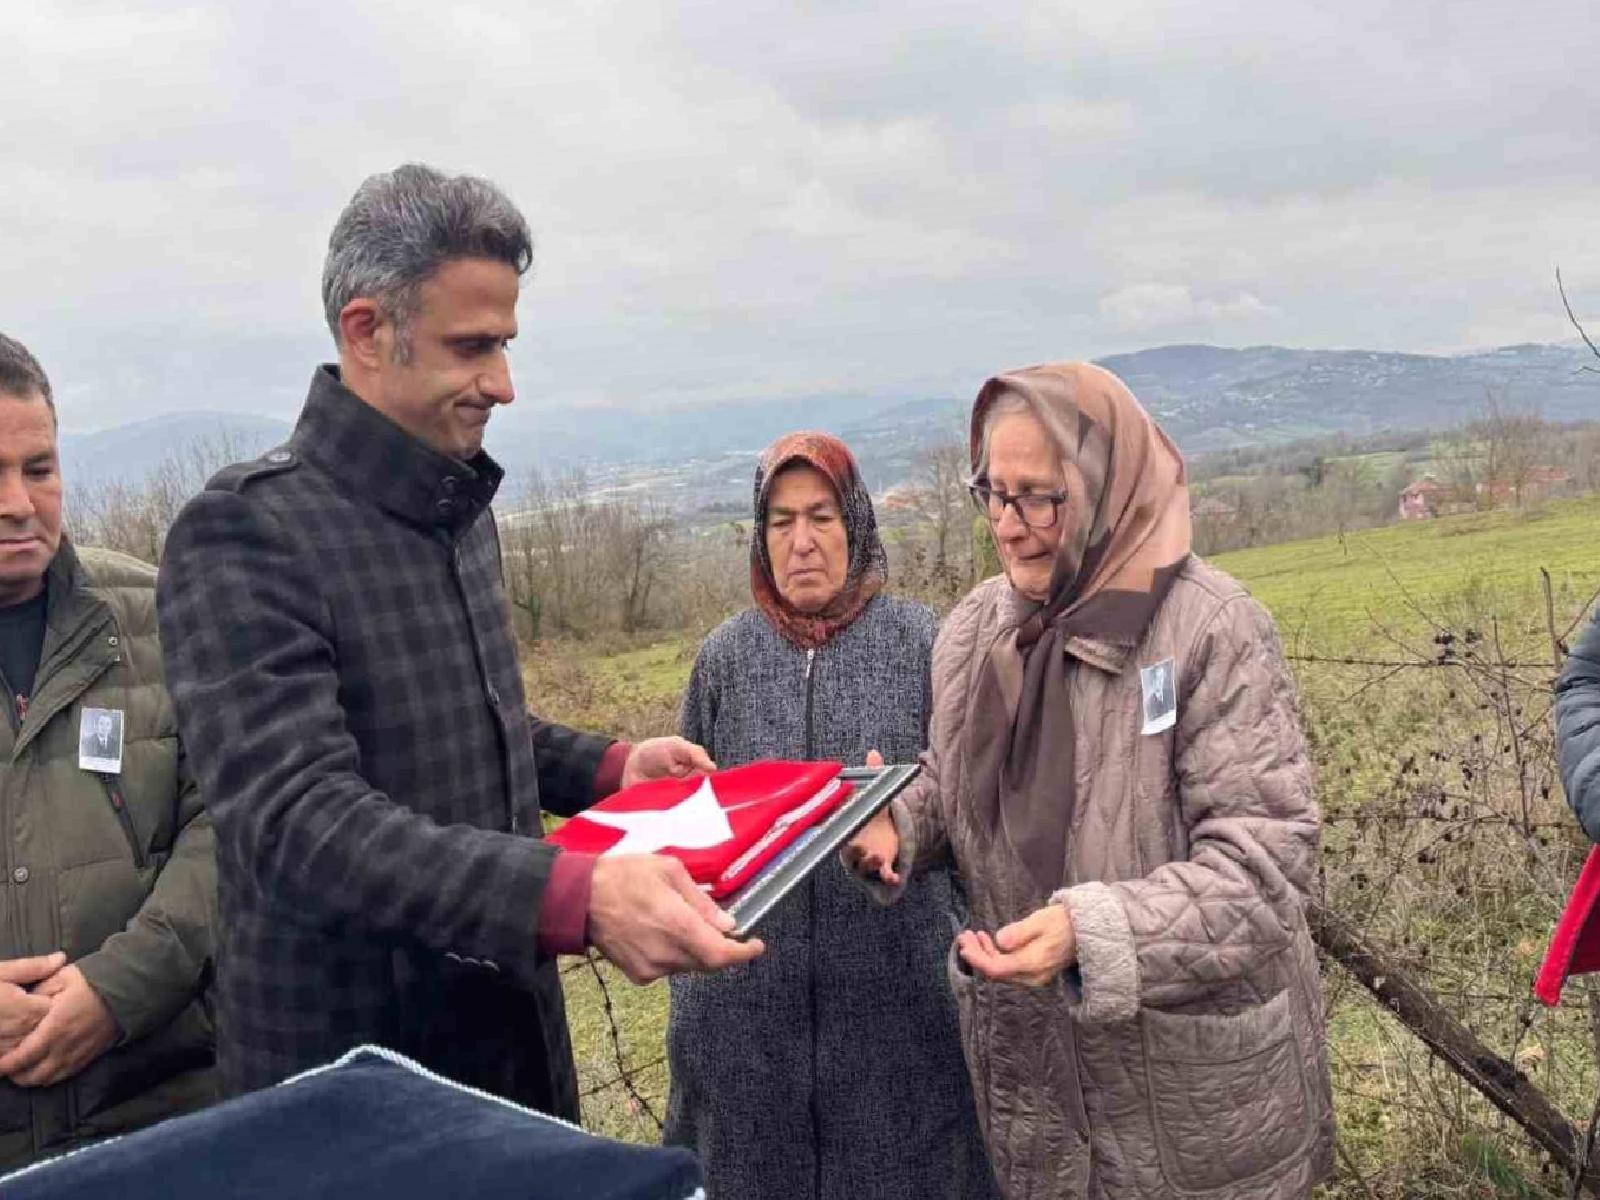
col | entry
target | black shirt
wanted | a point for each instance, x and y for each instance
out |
(21, 640)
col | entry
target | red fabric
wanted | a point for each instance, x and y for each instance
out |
(1575, 945)
(608, 776)
(564, 907)
(766, 806)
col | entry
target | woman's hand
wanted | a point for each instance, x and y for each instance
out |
(1032, 951)
(877, 844)
(874, 848)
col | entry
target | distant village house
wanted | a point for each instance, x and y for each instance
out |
(1427, 497)
(1420, 500)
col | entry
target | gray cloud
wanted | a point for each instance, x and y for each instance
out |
(737, 200)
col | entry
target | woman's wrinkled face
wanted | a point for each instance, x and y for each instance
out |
(1023, 460)
(806, 542)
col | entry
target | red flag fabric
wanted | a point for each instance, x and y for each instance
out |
(724, 827)
(1575, 945)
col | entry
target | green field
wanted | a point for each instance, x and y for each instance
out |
(1333, 594)
(1466, 898)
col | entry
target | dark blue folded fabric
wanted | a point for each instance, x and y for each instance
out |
(372, 1124)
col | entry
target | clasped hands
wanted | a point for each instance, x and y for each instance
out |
(1032, 951)
(53, 1024)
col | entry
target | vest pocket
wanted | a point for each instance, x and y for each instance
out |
(119, 806)
(1227, 1094)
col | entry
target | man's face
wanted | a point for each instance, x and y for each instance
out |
(457, 370)
(806, 541)
(102, 727)
(30, 495)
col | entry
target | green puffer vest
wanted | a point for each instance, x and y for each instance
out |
(129, 891)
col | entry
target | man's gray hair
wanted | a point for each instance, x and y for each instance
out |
(21, 375)
(402, 226)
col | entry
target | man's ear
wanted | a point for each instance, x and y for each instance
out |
(364, 333)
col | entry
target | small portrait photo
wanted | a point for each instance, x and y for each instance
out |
(1159, 685)
(100, 740)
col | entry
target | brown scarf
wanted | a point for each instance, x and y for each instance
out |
(1125, 536)
(868, 569)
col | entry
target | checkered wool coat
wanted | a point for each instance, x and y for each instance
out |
(339, 650)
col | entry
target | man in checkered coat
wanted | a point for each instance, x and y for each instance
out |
(339, 649)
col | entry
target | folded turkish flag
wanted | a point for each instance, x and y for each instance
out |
(1575, 945)
(724, 827)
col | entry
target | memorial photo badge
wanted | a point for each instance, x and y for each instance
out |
(1159, 685)
(100, 740)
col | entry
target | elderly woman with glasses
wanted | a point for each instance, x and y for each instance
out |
(1117, 772)
(781, 1067)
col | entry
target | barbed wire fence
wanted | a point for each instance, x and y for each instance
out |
(618, 1078)
(1448, 852)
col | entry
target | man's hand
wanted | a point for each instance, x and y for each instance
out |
(657, 758)
(1032, 951)
(647, 916)
(20, 1009)
(78, 1029)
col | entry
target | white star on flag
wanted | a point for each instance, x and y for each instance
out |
(696, 823)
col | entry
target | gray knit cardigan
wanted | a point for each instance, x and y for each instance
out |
(831, 1066)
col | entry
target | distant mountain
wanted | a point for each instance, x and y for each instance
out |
(130, 453)
(1210, 398)
(1207, 398)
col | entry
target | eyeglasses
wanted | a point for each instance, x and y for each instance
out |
(1036, 510)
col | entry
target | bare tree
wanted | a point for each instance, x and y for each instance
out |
(1512, 437)
(637, 536)
(941, 497)
(577, 562)
(134, 518)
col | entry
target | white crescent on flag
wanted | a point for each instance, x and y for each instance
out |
(696, 823)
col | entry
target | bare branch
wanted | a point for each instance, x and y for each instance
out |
(1573, 317)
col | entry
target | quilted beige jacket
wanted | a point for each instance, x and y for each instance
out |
(1183, 1056)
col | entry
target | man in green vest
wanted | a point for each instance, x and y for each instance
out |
(107, 876)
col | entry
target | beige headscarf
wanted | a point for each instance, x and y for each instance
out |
(1125, 536)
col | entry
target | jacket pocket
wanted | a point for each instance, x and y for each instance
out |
(119, 806)
(970, 1016)
(1227, 1094)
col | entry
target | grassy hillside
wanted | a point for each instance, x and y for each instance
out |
(1332, 594)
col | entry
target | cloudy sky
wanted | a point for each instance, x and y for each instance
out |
(747, 198)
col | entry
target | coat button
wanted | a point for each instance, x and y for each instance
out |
(450, 483)
(20, 875)
(446, 508)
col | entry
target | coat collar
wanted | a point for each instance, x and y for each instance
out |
(68, 601)
(357, 444)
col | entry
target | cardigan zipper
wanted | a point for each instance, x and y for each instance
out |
(811, 658)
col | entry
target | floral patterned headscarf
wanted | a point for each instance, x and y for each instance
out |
(868, 568)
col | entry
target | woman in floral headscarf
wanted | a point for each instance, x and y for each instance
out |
(1117, 770)
(781, 1067)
